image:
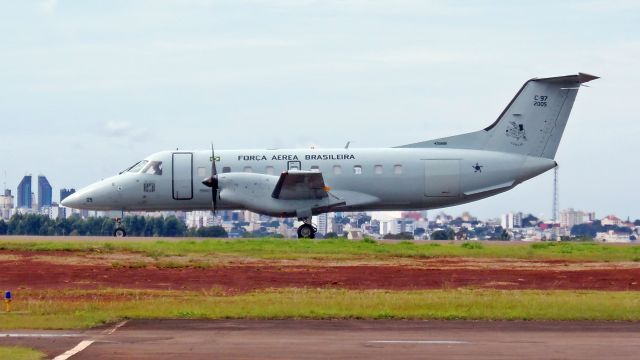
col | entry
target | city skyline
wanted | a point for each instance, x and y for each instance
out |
(574, 224)
(95, 100)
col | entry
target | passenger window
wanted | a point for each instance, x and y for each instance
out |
(337, 169)
(357, 169)
(226, 169)
(202, 172)
(315, 168)
(270, 170)
(248, 169)
(397, 169)
(378, 169)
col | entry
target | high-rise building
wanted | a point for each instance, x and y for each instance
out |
(511, 220)
(64, 193)
(385, 227)
(45, 192)
(24, 192)
(569, 218)
(322, 224)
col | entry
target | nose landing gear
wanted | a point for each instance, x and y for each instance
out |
(307, 230)
(119, 231)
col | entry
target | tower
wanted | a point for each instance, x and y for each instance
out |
(45, 192)
(24, 192)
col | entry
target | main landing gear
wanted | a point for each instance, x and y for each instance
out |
(307, 230)
(119, 231)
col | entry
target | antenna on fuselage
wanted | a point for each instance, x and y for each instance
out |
(347, 145)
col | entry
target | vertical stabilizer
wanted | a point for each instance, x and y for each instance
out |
(532, 123)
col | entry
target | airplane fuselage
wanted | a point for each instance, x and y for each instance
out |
(363, 179)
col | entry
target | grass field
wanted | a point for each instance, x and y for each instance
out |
(20, 353)
(81, 309)
(334, 248)
(71, 308)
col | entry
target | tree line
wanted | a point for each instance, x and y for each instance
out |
(33, 224)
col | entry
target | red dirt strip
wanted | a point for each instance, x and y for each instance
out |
(28, 273)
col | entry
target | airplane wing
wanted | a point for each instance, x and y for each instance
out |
(300, 185)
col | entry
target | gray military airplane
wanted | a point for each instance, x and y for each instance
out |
(437, 173)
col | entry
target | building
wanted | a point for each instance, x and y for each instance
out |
(511, 220)
(399, 226)
(64, 193)
(385, 227)
(6, 204)
(45, 192)
(569, 218)
(198, 219)
(396, 226)
(611, 220)
(24, 193)
(322, 222)
(54, 212)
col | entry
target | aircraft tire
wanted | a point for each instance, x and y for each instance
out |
(119, 232)
(306, 231)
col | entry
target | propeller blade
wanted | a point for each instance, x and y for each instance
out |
(214, 181)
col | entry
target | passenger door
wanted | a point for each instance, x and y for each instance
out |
(182, 176)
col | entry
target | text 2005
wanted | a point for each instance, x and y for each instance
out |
(540, 100)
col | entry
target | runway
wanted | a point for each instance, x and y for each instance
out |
(339, 339)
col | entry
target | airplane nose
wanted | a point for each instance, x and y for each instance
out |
(72, 201)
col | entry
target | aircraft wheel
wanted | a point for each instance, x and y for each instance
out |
(119, 232)
(306, 231)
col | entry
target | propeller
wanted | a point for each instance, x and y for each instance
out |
(212, 181)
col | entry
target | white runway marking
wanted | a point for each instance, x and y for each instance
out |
(417, 342)
(69, 353)
(17, 335)
(85, 343)
(113, 329)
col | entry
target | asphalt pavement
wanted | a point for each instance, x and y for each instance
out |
(338, 339)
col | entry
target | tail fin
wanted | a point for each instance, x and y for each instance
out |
(531, 124)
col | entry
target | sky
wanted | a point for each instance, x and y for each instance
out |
(87, 88)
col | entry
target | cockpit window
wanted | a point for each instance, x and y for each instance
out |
(135, 167)
(153, 168)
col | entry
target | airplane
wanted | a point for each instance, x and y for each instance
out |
(301, 183)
